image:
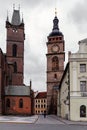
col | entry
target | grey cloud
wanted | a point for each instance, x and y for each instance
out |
(78, 15)
(33, 3)
(35, 70)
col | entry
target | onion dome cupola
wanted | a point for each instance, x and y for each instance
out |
(55, 30)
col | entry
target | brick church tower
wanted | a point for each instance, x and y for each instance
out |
(15, 48)
(55, 65)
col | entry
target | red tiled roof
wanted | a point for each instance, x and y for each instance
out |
(41, 95)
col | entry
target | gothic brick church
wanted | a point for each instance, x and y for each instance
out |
(15, 97)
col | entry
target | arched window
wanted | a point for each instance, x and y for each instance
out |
(15, 67)
(55, 76)
(21, 103)
(14, 48)
(8, 102)
(55, 63)
(83, 111)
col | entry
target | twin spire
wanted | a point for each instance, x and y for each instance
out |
(16, 17)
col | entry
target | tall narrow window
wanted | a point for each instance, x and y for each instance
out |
(55, 63)
(82, 68)
(21, 103)
(14, 48)
(55, 76)
(83, 111)
(8, 103)
(15, 67)
(83, 86)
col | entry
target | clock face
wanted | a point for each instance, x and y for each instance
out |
(55, 48)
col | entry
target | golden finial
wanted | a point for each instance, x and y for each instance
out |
(13, 6)
(55, 12)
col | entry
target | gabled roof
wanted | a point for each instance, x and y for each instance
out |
(41, 95)
(17, 90)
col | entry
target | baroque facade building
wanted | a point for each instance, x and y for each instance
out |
(15, 97)
(55, 65)
(40, 103)
(72, 99)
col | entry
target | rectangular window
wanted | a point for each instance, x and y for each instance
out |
(83, 86)
(38, 106)
(44, 105)
(82, 68)
(41, 106)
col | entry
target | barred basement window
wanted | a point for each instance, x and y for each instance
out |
(83, 111)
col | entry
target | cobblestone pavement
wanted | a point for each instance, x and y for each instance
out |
(68, 122)
(18, 119)
(50, 119)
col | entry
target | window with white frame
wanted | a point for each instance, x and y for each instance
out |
(82, 68)
(83, 86)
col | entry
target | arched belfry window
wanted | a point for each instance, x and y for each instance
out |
(55, 63)
(14, 50)
(55, 76)
(83, 111)
(8, 102)
(21, 103)
(15, 67)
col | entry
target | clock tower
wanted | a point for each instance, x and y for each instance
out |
(55, 65)
(15, 48)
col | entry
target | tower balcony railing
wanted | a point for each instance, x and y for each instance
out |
(78, 93)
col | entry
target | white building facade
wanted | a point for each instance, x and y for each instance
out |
(73, 87)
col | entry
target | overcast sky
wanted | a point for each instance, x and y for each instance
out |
(38, 18)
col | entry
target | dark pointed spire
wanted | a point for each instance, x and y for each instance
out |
(22, 18)
(55, 30)
(15, 17)
(55, 24)
(7, 17)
